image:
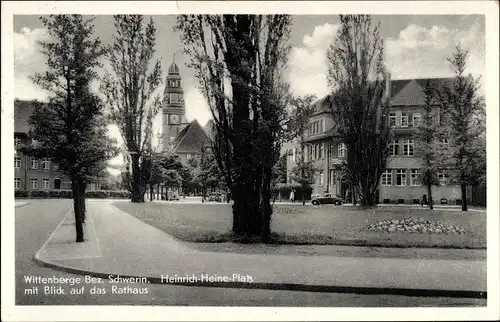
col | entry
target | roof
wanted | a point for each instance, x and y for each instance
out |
(190, 139)
(404, 92)
(173, 69)
(410, 92)
(323, 105)
(22, 112)
(209, 127)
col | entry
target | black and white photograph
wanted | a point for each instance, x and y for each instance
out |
(276, 159)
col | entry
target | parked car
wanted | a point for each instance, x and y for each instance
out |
(171, 196)
(215, 197)
(327, 198)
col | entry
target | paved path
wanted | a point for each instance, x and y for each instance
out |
(18, 204)
(36, 222)
(128, 246)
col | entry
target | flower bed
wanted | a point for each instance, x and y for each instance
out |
(416, 225)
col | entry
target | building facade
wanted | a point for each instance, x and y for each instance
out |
(32, 173)
(399, 183)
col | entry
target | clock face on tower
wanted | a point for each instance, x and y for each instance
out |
(174, 119)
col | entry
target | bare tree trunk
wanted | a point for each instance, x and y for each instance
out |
(137, 195)
(83, 207)
(429, 193)
(464, 196)
(266, 206)
(354, 194)
(77, 210)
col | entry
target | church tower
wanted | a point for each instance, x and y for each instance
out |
(174, 110)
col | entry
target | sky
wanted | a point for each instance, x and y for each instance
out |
(415, 47)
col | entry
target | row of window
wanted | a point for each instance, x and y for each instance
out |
(408, 146)
(404, 119)
(401, 177)
(316, 151)
(33, 163)
(33, 183)
(316, 127)
(174, 83)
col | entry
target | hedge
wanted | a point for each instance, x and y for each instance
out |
(286, 188)
(68, 194)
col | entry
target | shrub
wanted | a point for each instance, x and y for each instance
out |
(39, 194)
(68, 194)
(119, 194)
(61, 194)
(97, 194)
(20, 194)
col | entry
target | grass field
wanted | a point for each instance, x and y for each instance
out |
(308, 225)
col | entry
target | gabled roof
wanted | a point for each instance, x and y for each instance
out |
(410, 92)
(22, 113)
(404, 92)
(209, 127)
(323, 105)
(190, 139)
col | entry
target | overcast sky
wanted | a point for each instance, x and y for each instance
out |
(416, 47)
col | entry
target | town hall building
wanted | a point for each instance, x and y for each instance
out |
(178, 135)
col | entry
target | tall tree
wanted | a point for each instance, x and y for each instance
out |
(303, 175)
(71, 127)
(357, 77)
(466, 122)
(207, 174)
(131, 88)
(302, 110)
(427, 144)
(237, 60)
(280, 171)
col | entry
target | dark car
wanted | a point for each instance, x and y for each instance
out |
(327, 198)
(170, 196)
(215, 197)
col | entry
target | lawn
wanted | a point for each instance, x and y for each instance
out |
(308, 225)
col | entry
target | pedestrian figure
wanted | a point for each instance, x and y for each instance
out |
(292, 196)
(424, 201)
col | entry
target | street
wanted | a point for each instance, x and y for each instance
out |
(36, 221)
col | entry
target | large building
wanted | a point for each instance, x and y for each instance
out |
(32, 173)
(399, 183)
(178, 135)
